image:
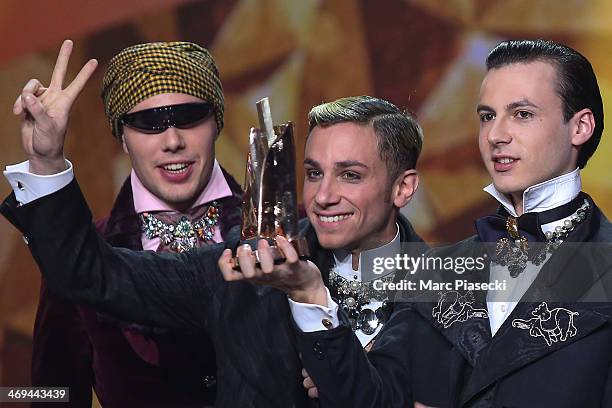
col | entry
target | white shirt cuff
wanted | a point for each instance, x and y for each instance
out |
(29, 187)
(310, 318)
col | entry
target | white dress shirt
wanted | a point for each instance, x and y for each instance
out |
(28, 186)
(310, 317)
(541, 197)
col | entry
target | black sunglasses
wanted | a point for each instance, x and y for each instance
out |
(157, 120)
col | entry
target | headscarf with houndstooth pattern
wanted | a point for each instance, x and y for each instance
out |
(145, 70)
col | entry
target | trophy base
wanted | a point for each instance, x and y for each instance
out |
(299, 244)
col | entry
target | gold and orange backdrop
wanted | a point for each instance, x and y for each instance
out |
(424, 55)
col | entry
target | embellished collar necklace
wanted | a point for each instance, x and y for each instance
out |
(183, 234)
(352, 295)
(351, 284)
(514, 252)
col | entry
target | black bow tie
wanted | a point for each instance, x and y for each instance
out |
(494, 227)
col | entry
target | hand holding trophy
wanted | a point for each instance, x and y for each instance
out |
(269, 206)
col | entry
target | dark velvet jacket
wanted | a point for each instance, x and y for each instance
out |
(250, 326)
(416, 358)
(128, 365)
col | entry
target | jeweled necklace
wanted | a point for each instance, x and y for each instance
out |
(353, 294)
(514, 253)
(182, 236)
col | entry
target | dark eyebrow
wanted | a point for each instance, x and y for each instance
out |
(311, 162)
(340, 164)
(523, 103)
(481, 108)
(349, 163)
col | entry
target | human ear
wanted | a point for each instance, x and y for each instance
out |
(583, 126)
(404, 187)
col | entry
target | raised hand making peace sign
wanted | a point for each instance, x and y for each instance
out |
(45, 112)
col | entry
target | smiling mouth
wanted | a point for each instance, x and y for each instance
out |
(504, 160)
(176, 168)
(334, 218)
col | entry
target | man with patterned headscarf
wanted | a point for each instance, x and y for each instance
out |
(360, 160)
(164, 104)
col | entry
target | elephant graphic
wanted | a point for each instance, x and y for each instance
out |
(553, 325)
(459, 310)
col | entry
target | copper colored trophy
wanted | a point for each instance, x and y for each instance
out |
(269, 207)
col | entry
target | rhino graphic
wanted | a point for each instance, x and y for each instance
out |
(553, 325)
(459, 310)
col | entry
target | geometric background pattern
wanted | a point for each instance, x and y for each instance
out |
(426, 56)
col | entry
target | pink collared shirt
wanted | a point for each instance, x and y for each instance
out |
(145, 201)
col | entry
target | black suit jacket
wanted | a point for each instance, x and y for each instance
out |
(250, 326)
(416, 358)
(128, 364)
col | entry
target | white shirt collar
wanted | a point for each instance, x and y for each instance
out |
(343, 259)
(543, 196)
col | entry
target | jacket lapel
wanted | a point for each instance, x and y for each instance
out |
(230, 207)
(465, 326)
(122, 228)
(461, 316)
(549, 316)
(525, 338)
